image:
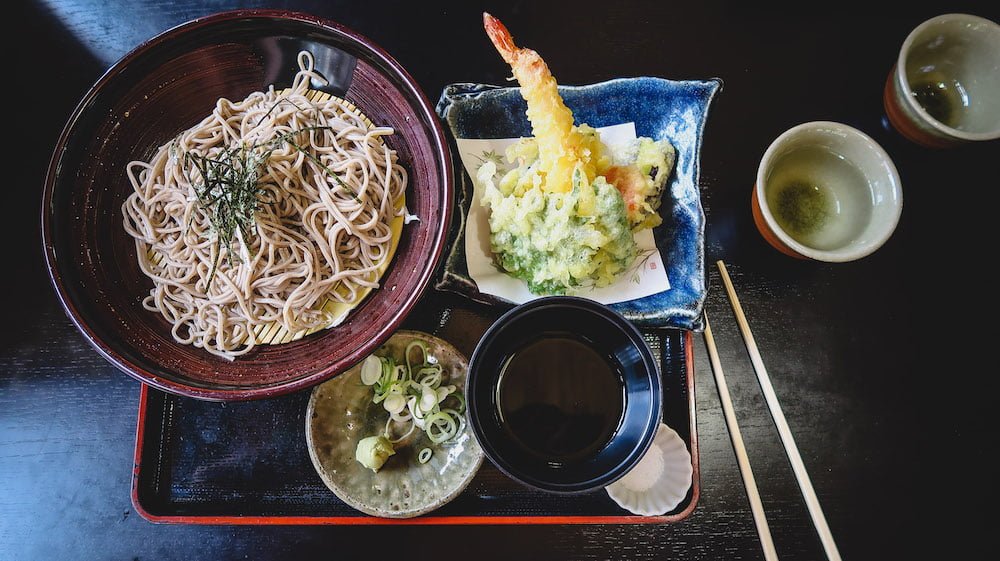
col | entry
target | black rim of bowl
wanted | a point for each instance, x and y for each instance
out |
(483, 379)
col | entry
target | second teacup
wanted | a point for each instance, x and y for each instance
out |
(945, 87)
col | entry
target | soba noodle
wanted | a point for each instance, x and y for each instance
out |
(321, 229)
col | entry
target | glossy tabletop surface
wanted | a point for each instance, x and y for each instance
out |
(882, 365)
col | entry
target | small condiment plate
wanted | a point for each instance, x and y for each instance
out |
(661, 479)
(340, 413)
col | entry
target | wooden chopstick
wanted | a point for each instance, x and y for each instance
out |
(805, 485)
(756, 507)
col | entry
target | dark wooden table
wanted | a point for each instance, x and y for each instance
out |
(881, 373)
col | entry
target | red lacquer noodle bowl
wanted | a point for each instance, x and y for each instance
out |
(165, 86)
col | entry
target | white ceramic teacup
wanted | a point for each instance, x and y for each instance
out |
(945, 87)
(826, 191)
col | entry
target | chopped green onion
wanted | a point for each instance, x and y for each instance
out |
(394, 403)
(441, 426)
(424, 456)
(461, 402)
(443, 392)
(408, 433)
(371, 370)
(432, 380)
(423, 351)
(413, 393)
(428, 400)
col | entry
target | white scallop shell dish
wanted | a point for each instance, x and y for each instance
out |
(661, 479)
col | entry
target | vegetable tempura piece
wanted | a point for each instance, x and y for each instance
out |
(640, 175)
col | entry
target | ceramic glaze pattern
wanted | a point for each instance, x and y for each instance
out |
(660, 109)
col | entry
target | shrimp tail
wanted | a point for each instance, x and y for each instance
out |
(501, 38)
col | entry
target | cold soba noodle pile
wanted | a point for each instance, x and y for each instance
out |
(263, 212)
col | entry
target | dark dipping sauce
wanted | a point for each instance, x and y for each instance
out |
(559, 399)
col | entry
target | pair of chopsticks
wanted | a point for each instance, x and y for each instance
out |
(805, 485)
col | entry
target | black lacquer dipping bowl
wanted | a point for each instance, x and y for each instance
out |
(598, 333)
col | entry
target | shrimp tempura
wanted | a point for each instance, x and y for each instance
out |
(562, 148)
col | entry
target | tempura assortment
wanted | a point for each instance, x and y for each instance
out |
(564, 217)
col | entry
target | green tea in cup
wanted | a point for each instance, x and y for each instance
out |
(826, 191)
(818, 197)
(944, 89)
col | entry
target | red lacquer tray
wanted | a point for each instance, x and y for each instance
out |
(199, 462)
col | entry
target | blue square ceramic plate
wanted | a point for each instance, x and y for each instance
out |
(660, 109)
